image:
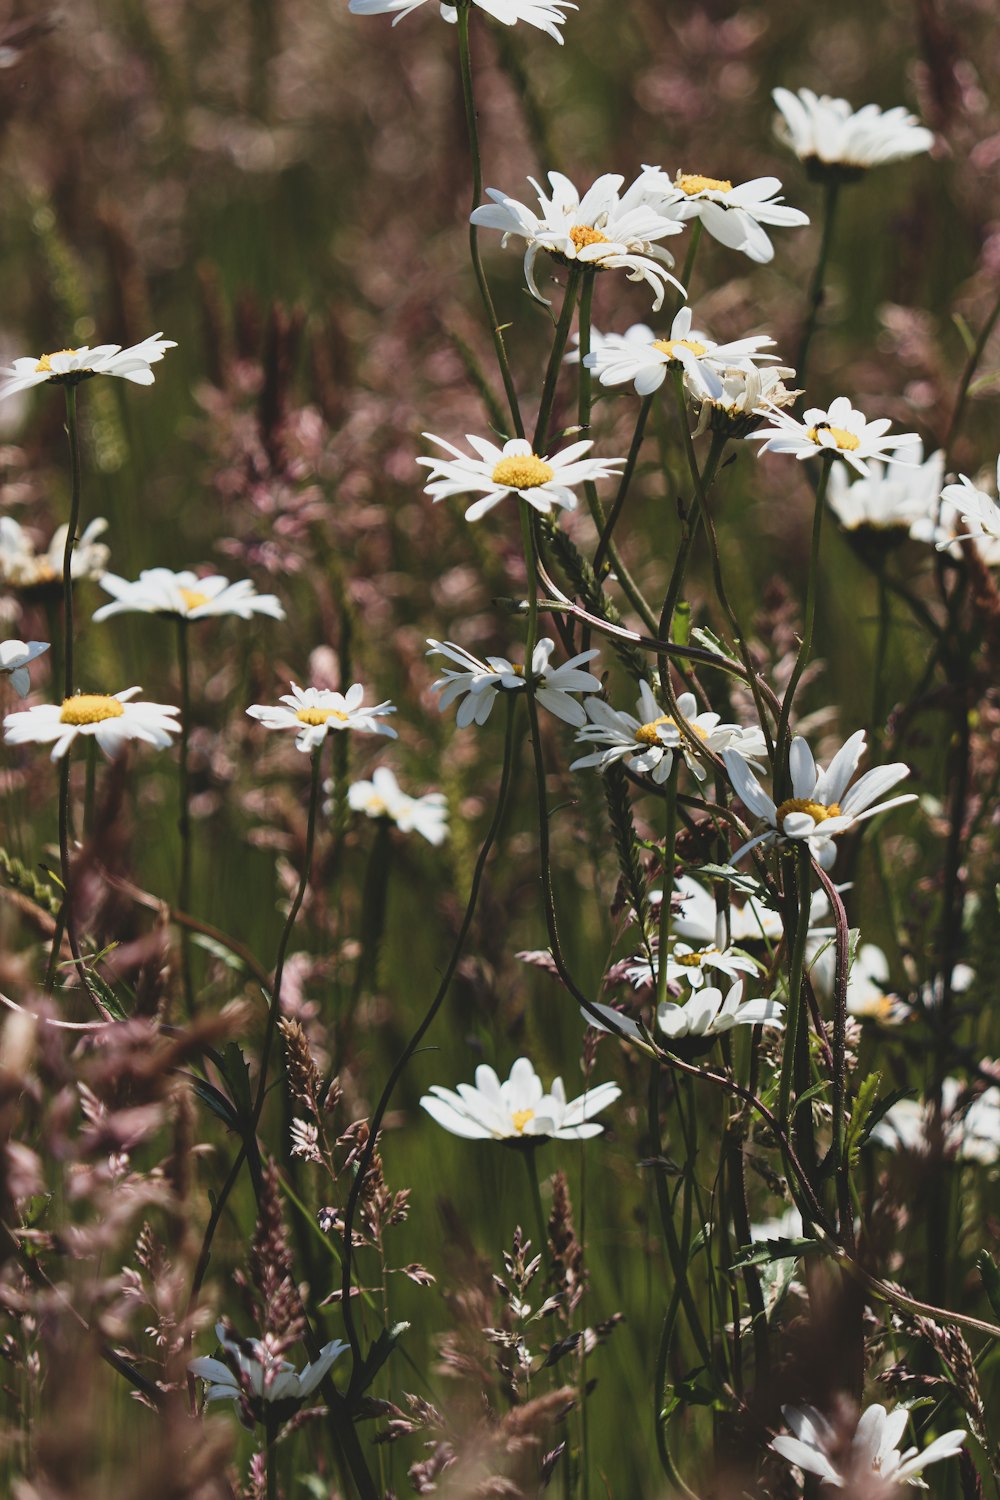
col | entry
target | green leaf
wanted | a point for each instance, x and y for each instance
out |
(881, 1109)
(863, 1106)
(765, 1252)
(737, 879)
(237, 1076)
(987, 1268)
(107, 997)
(216, 1101)
(379, 1353)
(220, 951)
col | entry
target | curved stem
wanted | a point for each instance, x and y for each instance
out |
(623, 485)
(794, 1017)
(555, 358)
(781, 773)
(183, 810)
(816, 290)
(375, 1124)
(971, 365)
(274, 1012)
(496, 331)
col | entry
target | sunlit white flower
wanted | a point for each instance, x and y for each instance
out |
(383, 797)
(841, 431)
(478, 682)
(816, 1447)
(545, 14)
(159, 591)
(708, 1013)
(639, 356)
(15, 658)
(513, 470)
(868, 994)
(110, 720)
(518, 1109)
(691, 966)
(971, 1134)
(822, 803)
(317, 712)
(698, 920)
(647, 743)
(23, 567)
(739, 409)
(604, 230)
(70, 366)
(979, 512)
(889, 499)
(828, 135)
(260, 1378)
(732, 215)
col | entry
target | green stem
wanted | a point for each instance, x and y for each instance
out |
(816, 291)
(689, 259)
(528, 1152)
(184, 811)
(73, 434)
(782, 775)
(669, 844)
(881, 649)
(971, 365)
(274, 1011)
(604, 544)
(555, 358)
(794, 1015)
(678, 1261)
(496, 331)
(69, 916)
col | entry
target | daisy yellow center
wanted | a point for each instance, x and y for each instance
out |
(193, 598)
(522, 471)
(647, 734)
(843, 439)
(582, 234)
(520, 1118)
(375, 804)
(44, 365)
(818, 811)
(692, 183)
(667, 347)
(692, 960)
(320, 715)
(90, 708)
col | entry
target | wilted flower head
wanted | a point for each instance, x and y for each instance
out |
(518, 1109)
(747, 398)
(873, 1457)
(834, 140)
(604, 230)
(24, 568)
(264, 1383)
(383, 797)
(70, 366)
(545, 14)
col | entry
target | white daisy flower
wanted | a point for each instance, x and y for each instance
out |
(110, 719)
(868, 994)
(317, 712)
(23, 567)
(841, 430)
(970, 1134)
(15, 657)
(519, 1109)
(545, 14)
(978, 511)
(648, 742)
(732, 215)
(873, 1458)
(752, 922)
(691, 966)
(70, 366)
(159, 591)
(604, 230)
(479, 682)
(821, 805)
(638, 355)
(739, 407)
(888, 499)
(829, 136)
(513, 470)
(706, 1014)
(383, 797)
(253, 1373)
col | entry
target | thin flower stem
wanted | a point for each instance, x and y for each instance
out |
(881, 649)
(184, 811)
(496, 330)
(689, 259)
(529, 1153)
(73, 434)
(375, 1124)
(69, 916)
(971, 365)
(782, 739)
(842, 954)
(666, 902)
(604, 544)
(794, 1017)
(274, 1011)
(816, 290)
(555, 358)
